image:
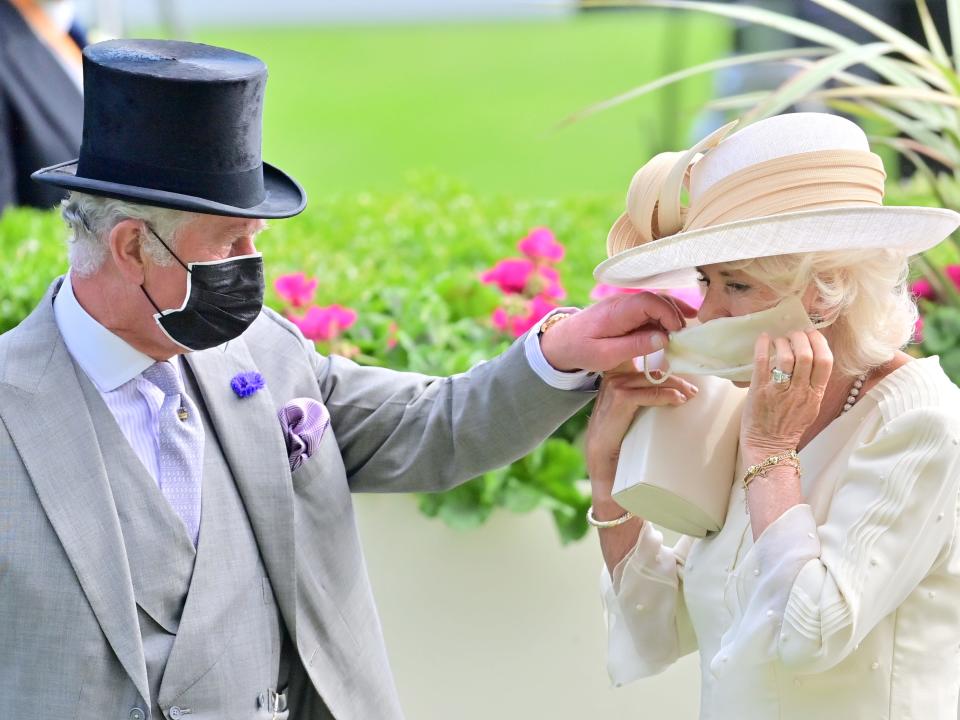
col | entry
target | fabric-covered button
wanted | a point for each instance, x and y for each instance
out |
(798, 682)
(639, 607)
(756, 571)
(874, 665)
(137, 714)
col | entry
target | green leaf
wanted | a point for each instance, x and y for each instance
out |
(950, 362)
(675, 77)
(905, 44)
(887, 92)
(941, 331)
(805, 81)
(520, 497)
(953, 19)
(930, 32)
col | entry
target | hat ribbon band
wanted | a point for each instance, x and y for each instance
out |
(805, 181)
(241, 188)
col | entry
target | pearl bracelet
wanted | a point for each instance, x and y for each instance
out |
(607, 523)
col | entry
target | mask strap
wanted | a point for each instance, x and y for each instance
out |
(159, 311)
(155, 307)
(664, 376)
(167, 247)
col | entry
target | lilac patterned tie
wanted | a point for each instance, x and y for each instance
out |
(180, 445)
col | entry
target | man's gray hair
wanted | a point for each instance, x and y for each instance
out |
(92, 217)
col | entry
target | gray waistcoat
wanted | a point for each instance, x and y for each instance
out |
(210, 628)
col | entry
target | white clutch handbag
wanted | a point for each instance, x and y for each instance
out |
(677, 464)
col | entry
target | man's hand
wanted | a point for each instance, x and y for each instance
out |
(615, 330)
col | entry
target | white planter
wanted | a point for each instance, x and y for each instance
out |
(501, 622)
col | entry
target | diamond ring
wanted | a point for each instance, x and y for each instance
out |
(779, 376)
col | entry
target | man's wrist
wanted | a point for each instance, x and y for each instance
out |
(547, 336)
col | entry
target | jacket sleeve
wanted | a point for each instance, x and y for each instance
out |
(405, 432)
(805, 596)
(648, 627)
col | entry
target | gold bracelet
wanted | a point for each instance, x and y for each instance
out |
(760, 469)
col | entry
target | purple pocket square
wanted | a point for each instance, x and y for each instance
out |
(303, 421)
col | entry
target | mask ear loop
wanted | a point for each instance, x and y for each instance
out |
(147, 225)
(664, 376)
(167, 247)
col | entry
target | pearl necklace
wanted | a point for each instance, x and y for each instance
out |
(854, 393)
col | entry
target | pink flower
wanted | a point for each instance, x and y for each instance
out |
(516, 276)
(923, 289)
(690, 295)
(510, 275)
(546, 281)
(953, 272)
(918, 330)
(296, 288)
(508, 319)
(324, 323)
(541, 244)
(392, 336)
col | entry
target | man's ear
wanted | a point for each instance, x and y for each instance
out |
(125, 249)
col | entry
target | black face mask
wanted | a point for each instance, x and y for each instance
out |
(223, 298)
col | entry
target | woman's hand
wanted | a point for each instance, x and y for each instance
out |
(775, 416)
(622, 393)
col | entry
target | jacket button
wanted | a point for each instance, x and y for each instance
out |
(137, 714)
(176, 713)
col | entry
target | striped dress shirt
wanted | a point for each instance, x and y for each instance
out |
(116, 370)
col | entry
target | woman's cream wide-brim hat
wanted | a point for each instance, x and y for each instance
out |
(800, 182)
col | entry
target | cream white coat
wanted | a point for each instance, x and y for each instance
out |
(847, 606)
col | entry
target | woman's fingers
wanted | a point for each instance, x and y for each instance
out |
(761, 361)
(785, 359)
(656, 395)
(822, 360)
(802, 358)
(637, 381)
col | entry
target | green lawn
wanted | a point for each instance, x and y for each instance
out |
(359, 108)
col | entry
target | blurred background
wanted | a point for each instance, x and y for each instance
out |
(462, 179)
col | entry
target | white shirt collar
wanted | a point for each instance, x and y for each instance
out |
(107, 359)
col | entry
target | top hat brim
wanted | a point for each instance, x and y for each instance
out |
(670, 262)
(284, 197)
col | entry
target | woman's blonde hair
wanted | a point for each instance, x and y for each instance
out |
(863, 294)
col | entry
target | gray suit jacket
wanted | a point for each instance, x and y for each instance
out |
(65, 590)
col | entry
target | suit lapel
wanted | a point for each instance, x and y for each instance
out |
(44, 410)
(252, 441)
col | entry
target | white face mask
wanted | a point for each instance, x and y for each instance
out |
(724, 347)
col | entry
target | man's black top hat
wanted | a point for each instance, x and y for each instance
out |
(178, 125)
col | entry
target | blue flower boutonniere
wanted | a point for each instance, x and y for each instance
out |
(246, 384)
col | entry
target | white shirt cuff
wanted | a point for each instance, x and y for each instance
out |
(578, 380)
